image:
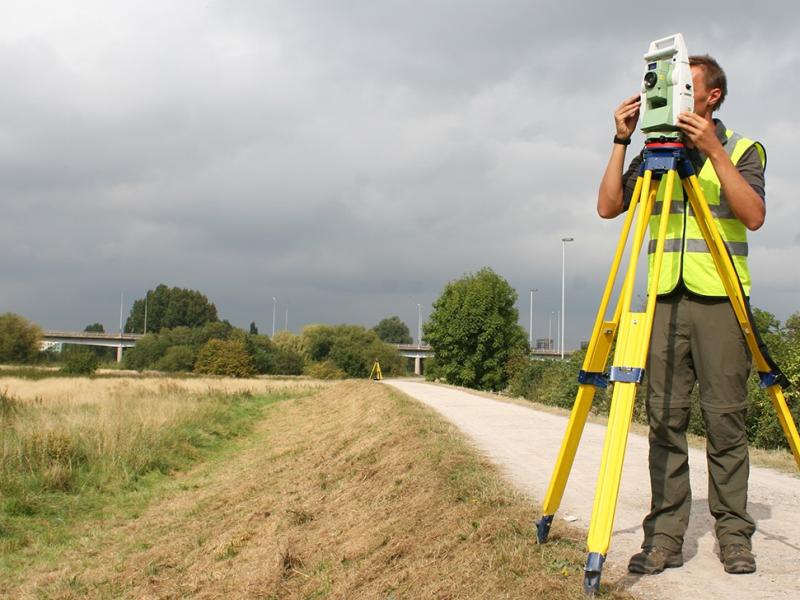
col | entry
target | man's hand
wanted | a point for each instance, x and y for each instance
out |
(627, 115)
(701, 132)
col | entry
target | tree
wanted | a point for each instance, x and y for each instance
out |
(792, 326)
(81, 361)
(765, 322)
(473, 331)
(393, 331)
(19, 339)
(170, 307)
(253, 328)
(95, 328)
(228, 358)
(351, 348)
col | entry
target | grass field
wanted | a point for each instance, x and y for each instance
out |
(347, 491)
(72, 448)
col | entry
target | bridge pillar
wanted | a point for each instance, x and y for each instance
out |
(418, 365)
(119, 354)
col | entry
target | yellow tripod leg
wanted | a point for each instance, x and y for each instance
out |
(627, 373)
(594, 364)
(730, 280)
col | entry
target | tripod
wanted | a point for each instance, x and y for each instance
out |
(631, 330)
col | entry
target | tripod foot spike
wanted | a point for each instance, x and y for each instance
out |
(543, 528)
(592, 572)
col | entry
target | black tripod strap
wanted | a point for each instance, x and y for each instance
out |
(775, 375)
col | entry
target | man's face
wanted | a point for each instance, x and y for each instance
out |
(704, 99)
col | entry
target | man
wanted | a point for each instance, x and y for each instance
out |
(696, 337)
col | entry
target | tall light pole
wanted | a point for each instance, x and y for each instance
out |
(558, 331)
(419, 324)
(530, 327)
(564, 241)
(286, 319)
(274, 308)
(550, 331)
(121, 303)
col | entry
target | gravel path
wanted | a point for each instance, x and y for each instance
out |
(525, 443)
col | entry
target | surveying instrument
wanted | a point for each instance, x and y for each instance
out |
(666, 92)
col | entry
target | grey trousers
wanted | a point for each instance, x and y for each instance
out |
(697, 340)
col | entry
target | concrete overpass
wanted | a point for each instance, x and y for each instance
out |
(419, 352)
(91, 338)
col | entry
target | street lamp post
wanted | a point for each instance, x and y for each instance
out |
(121, 303)
(274, 308)
(564, 241)
(558, 331)
(530, 327)
(419, 325)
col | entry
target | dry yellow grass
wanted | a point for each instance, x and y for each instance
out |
(356, 492)
(83, 390)
(109, 421)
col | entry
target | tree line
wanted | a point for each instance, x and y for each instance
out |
(473, 329)
(185, 334)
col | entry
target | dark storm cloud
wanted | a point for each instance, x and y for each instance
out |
(347, 158)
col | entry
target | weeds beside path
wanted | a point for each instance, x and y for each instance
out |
(356, 492)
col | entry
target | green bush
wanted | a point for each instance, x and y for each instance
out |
(270, 359)
(151, 351)
(177, 358)
(80, 362)
(289, 363)
(286, 340)
(146, 353)
(352, 349)
(554, 382)
(19, 339)
(228, 358)
(325, 370)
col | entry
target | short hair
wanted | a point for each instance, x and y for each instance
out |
(714, 75)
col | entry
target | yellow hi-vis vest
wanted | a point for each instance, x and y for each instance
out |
(686, 254)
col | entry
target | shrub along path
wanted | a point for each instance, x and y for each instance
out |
(525, 443)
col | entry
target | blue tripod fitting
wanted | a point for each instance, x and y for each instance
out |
(660, 157)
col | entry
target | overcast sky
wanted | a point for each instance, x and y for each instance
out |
(350, 158)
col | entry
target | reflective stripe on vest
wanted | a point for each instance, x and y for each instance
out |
(686, 253)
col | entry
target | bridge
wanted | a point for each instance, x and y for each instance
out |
(91, 338)
(419, 352)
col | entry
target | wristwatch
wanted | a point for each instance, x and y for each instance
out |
(622, 141)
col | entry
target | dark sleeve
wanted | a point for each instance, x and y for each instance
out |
(629, 179)
(750, 168)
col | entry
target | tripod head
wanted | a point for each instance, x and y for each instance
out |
(666, 88)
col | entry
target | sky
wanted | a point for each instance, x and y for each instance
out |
(350, 158)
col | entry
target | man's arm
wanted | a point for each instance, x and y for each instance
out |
(610, 195)
(744, 201)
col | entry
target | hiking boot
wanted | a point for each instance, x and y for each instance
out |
(737, 559)
(654, 559)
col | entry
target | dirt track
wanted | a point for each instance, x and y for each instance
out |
(525, 443)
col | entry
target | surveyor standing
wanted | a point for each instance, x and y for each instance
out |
(696, 337)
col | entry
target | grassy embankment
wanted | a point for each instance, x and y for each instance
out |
(355, 492)
(78, 450)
